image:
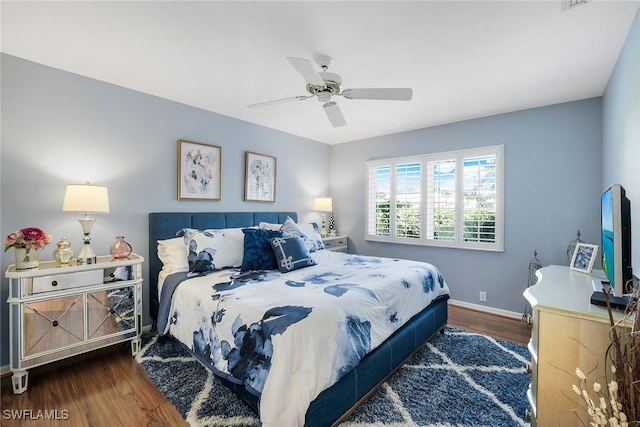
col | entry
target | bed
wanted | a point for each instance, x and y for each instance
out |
(349, 382)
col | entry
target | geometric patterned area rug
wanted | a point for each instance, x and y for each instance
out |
(458, 378)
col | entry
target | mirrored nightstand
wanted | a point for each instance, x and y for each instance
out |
(59, 312)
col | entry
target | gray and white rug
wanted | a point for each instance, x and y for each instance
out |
(457, 379)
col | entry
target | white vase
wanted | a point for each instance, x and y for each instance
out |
(27, 259)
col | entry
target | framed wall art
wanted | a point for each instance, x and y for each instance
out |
(583, 257)
(199, 171)
(260, 178)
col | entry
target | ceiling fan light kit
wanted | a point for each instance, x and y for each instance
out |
(324, 84)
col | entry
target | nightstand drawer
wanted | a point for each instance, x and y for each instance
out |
(336, 243)
(67, 280)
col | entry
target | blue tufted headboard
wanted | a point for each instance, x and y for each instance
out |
(164, 225)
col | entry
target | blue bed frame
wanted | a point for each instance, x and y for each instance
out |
(334, 404)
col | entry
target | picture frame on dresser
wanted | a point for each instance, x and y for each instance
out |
(260, 177)
(199, 171)
(584, 256)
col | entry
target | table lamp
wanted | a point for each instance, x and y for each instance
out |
(323, 204)
(86, 198)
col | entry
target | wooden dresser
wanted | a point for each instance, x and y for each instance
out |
(568, 332)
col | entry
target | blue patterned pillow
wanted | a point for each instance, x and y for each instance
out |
(209, 250)
(308, 233)
(291, 253)
(258, 254)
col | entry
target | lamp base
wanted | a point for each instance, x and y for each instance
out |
(323, 230)
(87, 255)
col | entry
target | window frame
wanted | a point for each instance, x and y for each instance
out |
(424, 159)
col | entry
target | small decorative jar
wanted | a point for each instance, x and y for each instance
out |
(27, 258)
(63, 253)
(120, 249)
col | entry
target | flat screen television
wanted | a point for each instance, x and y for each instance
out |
(616, 239)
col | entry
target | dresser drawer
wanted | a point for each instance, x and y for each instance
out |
(58, 282)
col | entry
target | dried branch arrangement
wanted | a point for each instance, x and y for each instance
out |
(619, 404)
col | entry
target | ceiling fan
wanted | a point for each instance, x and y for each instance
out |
(324, 85)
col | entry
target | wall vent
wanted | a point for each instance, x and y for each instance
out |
(572, 4)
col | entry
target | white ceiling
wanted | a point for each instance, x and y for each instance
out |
(463, 59)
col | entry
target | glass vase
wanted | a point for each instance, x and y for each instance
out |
(27, 258)
(120, 249)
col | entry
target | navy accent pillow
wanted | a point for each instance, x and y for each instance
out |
(292, 253)
(258, 254)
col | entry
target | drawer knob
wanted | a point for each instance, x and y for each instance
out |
(54, 283)
(55, 323)
(528, 368)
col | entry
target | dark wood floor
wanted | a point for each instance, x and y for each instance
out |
(109, 388)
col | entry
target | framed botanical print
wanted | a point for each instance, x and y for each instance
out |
(260, 178)
(199, 171)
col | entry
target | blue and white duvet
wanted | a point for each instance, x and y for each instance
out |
(290, 336)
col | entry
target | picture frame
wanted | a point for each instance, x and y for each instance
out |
(199, 171)
(584, 257)
(260, 177)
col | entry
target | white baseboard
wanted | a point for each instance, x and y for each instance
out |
(486, 309)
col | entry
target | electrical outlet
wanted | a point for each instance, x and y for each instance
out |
(483, 296)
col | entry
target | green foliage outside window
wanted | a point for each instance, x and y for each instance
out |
(479, 224)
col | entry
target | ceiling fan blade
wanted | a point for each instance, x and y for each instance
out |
(279, 101)
(304, 67)
(335, 115)
(393, 94)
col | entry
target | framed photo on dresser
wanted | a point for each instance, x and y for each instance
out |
(583, 257)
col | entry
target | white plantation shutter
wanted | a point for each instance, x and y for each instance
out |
(407, 201)
(379, 183)
(479, 199)
(441, 200)
(446, 199)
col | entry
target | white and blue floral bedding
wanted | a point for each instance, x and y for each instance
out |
(290, 336)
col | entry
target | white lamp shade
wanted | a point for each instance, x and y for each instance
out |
(323, 204)
(86, 198)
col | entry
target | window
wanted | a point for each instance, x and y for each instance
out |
(449, 199)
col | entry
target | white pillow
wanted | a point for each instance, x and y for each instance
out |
(226, 245)
(270, 226)
(307, 232)
(173, 255)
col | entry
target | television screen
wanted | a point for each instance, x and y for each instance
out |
(616, 237)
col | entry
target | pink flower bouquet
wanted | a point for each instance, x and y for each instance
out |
(30, 237)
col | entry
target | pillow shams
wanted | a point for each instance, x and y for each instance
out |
(208, 250)
(291, 253)
(173, 255)
(309, 234)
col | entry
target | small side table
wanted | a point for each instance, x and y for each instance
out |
(59, 312)
(337, 243)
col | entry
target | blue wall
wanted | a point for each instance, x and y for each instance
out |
(60, 128)
(621, 130)
(552, 188)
